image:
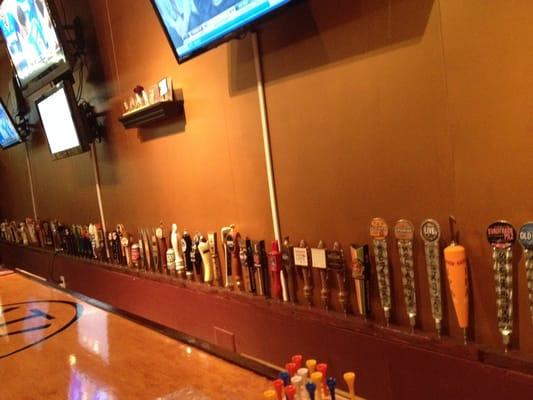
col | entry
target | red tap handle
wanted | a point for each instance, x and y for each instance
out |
(297, 359)
(291, 368)
(290, 391)
(278, 387)
(274, 260)
(322, 367)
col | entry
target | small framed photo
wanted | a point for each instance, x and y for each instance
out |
(165, 89)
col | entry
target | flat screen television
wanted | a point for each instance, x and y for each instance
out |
(62, 122)
(33, 43)
(9, 135)
(195, 26)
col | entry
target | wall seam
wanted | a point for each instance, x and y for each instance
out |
(447, 110)
(111, 36)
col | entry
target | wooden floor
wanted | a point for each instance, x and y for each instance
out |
(54, 346)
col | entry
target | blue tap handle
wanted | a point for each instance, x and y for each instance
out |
(284, 376)
(331, 382)
(311, 389)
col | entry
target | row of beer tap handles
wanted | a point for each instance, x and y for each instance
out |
(501, 236)
(307, 381)
(246, 265)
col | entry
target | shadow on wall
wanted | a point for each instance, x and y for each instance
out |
(315, 33)
(169, 126)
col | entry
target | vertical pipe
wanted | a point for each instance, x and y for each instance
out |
(99, 194)
(266, 137)
(30, 176)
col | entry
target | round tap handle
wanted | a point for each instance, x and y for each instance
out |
(284, 376)
(304, 374)
(291, 368)
(331, 382)
(311, 365)
(323, 368)
(316, 377)
(290, 392)
(278, 387)
(349, 378)
(297, 359)
(311, 389)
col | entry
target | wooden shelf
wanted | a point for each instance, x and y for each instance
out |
(164, 110)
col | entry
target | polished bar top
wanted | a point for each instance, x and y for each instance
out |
(54, 346)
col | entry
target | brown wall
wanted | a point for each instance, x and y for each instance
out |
(392, 108)
(15, 195)
(203, 173)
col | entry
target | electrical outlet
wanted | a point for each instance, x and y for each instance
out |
(62, 282)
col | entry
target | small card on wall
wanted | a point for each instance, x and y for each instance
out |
(319, 258)
(300, 257)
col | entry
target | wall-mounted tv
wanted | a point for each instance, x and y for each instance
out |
(9, 135)
(32, 42)
(62, 121)
(194, 26)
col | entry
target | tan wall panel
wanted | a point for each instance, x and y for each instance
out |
(204, 172)
(15, 195)
(360, 131)
(64, 189)
(392, 108)
(489, 59)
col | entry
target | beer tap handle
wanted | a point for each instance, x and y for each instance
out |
(297, 360)
(456, 270)
(311, 390)
(404, 232)
(379, 232)
(319, 261)
(162, 245)
(244, 267)
(249, 252)
(361, 274)
(186, 245)
(147, 249)
(331, 383)
(301, 260)
(284, 376)
(296, 382)
(227, 272)
(155, 251)
(212, 240)
(316, 378)
(196, 258)
(175, 242)
(311, 366)
(269, 394)
(336, 263)
(236, 268)
(349, 378)
(501, 236)
(323, 369)
(125, 242)
(288, 267)
(290, 392)
(258, 268)
(430, 233)
(274, 258)
(526, 240)
(278, 387)
(203, 247)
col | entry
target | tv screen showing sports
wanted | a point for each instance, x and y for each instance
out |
(9, 135)
(32, 41)
(60, 120)
(193, 26)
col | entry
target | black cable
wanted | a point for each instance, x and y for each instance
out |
(79, 92)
